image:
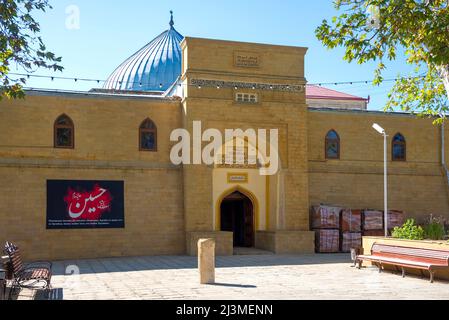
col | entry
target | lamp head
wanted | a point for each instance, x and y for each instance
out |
(378, 128)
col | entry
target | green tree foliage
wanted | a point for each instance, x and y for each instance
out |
(374, 30)
(21, 45)
(409, 231)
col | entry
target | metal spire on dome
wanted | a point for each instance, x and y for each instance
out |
(172, 23)
(155, 67)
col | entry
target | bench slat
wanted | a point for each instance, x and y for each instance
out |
(416, 253)
(406, 257)
(396, 262)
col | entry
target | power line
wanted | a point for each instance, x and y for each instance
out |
(29, 75)
(161, 85)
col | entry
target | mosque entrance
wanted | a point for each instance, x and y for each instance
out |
(237, 216)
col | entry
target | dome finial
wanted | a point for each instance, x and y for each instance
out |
(172, 23)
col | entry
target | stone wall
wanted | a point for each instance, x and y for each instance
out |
(154, 222)
(286, 242)
(165, 204)
(275, 109)
(106, 148)
(416, 186)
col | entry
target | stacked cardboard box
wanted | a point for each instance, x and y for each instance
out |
(327, 240)
(373, 220)
(325, 221)
(351, 240)
(373, 224)
(395, 219)
(351, 227)
(351, 220)
(325, 217)
(339, 230)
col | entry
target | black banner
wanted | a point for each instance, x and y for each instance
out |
(85, 204)
(219, 309)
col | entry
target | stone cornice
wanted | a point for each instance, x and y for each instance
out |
(220, 84)
(85, 164)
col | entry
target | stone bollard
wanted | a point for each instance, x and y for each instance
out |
(206, 260)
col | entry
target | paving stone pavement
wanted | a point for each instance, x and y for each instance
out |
(269, 277)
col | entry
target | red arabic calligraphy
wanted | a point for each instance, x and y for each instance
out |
(88, 205)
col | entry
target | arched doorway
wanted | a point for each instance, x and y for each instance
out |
(237, 216)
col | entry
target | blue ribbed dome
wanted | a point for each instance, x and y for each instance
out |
(155, 67)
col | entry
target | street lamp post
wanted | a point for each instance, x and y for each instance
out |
(384, 133)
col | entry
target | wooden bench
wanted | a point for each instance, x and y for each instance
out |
(34, 275)
(406, 257)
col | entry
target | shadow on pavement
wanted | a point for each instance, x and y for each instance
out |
(30, 294)
(232, 285)
(110, 265)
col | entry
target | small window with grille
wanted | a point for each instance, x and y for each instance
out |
(246, 98)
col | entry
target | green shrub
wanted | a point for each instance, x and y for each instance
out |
(434, 229)
(409, 231)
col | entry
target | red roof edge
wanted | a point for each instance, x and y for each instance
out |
(322, 93)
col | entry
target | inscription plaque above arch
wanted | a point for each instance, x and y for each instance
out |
(245, 59)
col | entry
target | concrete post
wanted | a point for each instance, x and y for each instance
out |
(206, 260)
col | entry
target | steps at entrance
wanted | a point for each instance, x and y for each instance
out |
(251, 252)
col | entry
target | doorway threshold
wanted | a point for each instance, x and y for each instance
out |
(239, 251)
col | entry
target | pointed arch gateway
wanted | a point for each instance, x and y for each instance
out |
(264, 189)
(237, 211)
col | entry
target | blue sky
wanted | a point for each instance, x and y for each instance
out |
(110, 31)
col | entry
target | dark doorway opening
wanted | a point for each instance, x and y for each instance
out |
(237, 216)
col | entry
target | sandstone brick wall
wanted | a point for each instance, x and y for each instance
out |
(106, 148)
(106, 129)
(162, 201)
(154, 222)
(356, 180)
(216, 108)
